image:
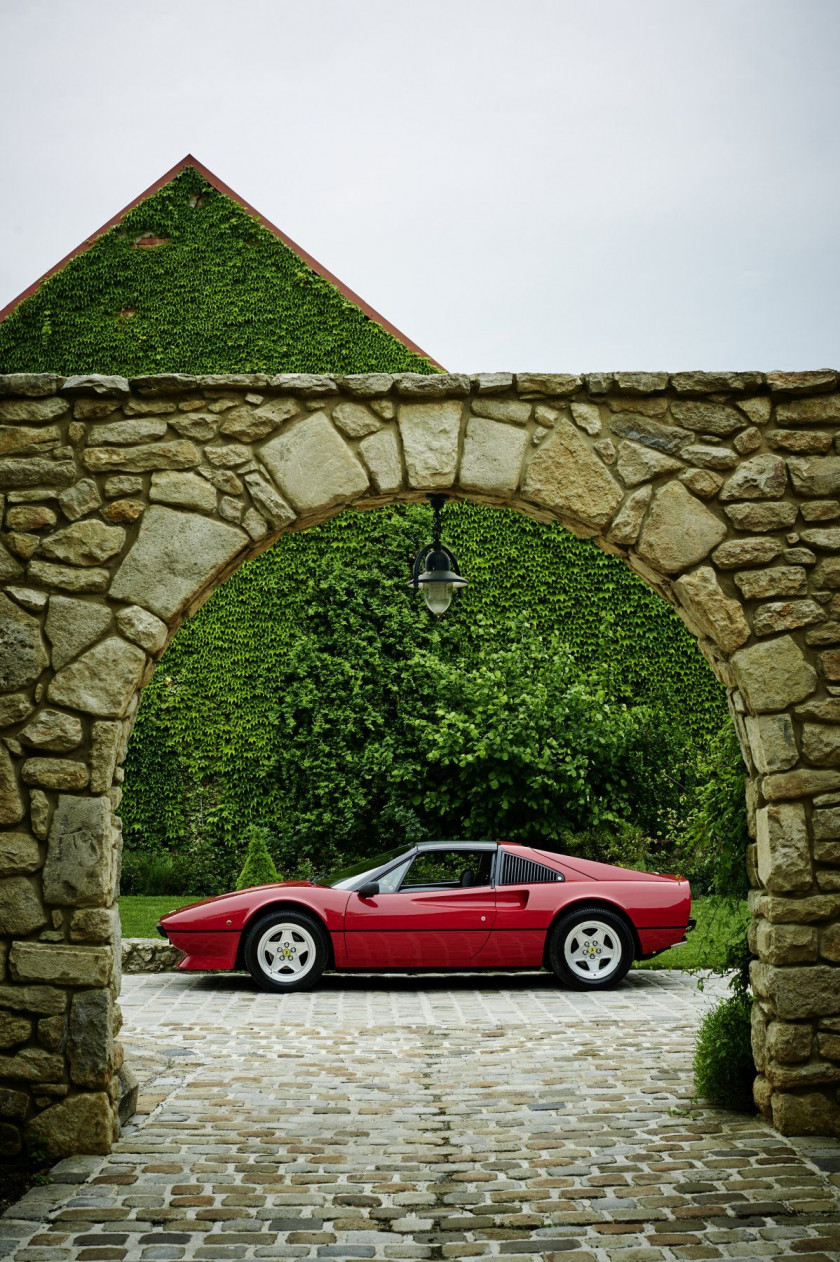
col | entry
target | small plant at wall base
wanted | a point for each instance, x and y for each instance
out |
(258, 868)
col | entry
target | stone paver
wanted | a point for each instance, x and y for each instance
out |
(428, 1117)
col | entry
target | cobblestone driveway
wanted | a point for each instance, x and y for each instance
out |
(428, 1118)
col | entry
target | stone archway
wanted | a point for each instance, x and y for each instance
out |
(127, 503)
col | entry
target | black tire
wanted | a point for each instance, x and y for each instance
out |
(615, 942)
(303, 938)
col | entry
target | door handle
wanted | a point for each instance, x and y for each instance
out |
(512, 898)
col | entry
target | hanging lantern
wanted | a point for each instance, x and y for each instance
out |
(435, 570)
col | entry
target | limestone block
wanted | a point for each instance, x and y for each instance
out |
(13, 1030)
(805, 1113)
(13, 1104)
(106, 739)
(809, 411)
(758, 1035)
(201, 427)
(11, 802)
(121, 433)
(701, 482)
(313, 466)
(821, 744)
(433, 385)
(817, 478)
(53, 730)
(82, 1123)
(22, 652)
(18, 854)
(249, 425)
(707, 418)
(758, 517)
(827, 852)
(786, 944)
(268, 501)
(514, 412)
(187, 490)
(799, 992)
(68, 577)
(820, 510)
(546, 416)
(31, 1064)
(560, 385)
(72, 625)
(492, 382)
(565, 475)
(789, 1043)
(121, 485)
(782, 580)
(805, 782)
(800, 442)
(174, 557)
(786, 615)
(255, 524)
(430, 442)
(772, 742)
(30, 517)
(655, 434)
(79, 499)
(784, 855)
(719, 458)
(96, 385)
(21, 910)
(36, 471)
(94, 924)
(55, 773)
(773, 675)
(800, 911)
(678, 531)
(749, 440)
(637, 463)
(178, 453)
(587, 416)
(492, 457)
(628, 521)
(61, 965)
(830, 943)
(711, 610)
(51, 1032)
(79, 868)
(381, 454)
(762, 477)
(32, 410)
(39, 813)
(102, 681)
(142, 627)
(90, 1042)
(826, 824)
(230, 456)
(355, 420)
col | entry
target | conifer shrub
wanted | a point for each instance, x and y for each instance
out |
(258, 868)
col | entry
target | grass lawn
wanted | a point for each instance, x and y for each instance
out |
(718, 923)
(139, 916)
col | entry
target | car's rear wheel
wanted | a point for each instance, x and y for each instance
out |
(285, 951)
(591, 949)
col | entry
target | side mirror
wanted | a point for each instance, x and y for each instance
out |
(368, 890)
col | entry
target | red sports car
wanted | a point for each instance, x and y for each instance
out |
(441, 905)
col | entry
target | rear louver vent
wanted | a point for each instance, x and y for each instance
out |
(518, 871)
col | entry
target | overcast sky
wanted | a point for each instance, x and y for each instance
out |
(563, 185)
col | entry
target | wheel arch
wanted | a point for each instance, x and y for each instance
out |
(607, 905)
(283, 904)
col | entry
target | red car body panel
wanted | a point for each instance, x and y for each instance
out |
(501, 926)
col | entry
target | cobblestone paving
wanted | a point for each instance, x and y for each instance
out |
(423, 1117)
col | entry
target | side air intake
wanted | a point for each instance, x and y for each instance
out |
(519, 871)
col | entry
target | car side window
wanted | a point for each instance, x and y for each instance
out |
(391, 881)
(449, 869)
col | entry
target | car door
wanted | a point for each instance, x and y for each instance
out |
(431, 921)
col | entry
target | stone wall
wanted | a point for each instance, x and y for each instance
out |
(127, 503)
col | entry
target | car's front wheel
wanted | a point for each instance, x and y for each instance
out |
(285, 951)
(591, 949)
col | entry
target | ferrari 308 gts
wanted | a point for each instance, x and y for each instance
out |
(441, 905)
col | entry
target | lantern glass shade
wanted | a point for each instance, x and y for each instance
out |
(438, 596)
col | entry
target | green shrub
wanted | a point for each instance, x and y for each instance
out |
(258, 868)
(153, 872)
(713, 839)
(723, 1062)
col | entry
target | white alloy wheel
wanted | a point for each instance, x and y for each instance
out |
(592, 950)
(286, 952)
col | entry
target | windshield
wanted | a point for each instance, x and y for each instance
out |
(347, 878)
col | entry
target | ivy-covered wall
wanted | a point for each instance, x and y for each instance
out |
(291, 697)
